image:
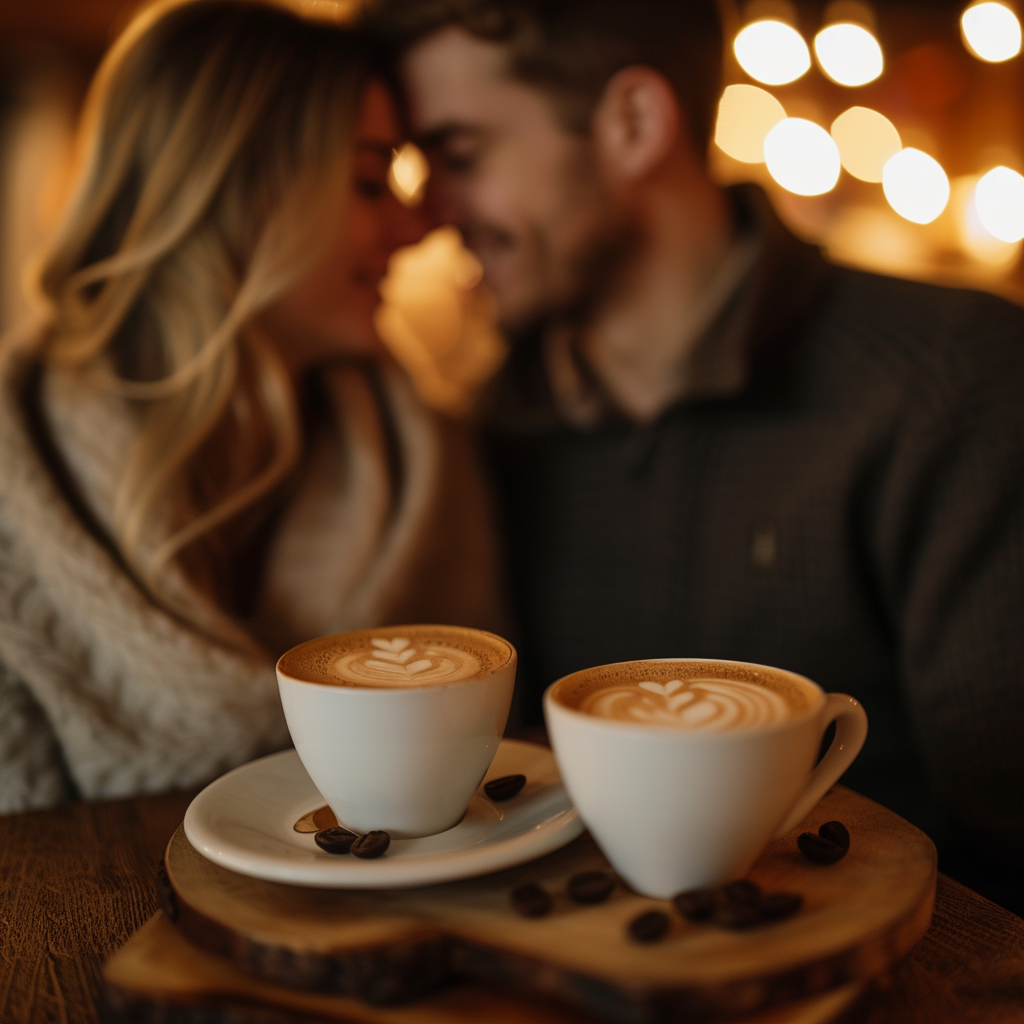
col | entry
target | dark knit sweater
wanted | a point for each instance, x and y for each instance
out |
(856, 514)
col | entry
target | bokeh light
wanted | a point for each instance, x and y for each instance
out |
(975, 239)
(915, 185)
(438, 321)
(991, 31)
(746, 114)
(408, 174)
(876, 238)
(802, 157)
(849, 54)
(772, 52)
(999, 198)
(867, 140)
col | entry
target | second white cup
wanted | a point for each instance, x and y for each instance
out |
(688, 805)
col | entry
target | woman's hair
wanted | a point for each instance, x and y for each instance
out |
(216, 141)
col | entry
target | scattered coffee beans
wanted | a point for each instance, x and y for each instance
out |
(530, 900)
(777, 906)
(335, 840)
(830, 844)
(737, 905)
(371, 844)
(649, 927)
(504, 788)
(697, 904)
(590, 887)
(742, 891)
(736, 916)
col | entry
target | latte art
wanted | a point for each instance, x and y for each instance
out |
(399, 662)
(393, 657)
(710, 705)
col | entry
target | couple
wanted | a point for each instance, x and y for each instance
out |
(706, 441)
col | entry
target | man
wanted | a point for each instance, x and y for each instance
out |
(707, 441)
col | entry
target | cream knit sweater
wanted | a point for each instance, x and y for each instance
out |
(104, 692)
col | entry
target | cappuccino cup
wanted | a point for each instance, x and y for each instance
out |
(684, 769)
(398, 726)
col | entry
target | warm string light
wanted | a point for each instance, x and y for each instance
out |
(999, 200)
(991, 31)
(802, 157)
(849, 54)
(975, 239)
(752, 127)
(746, 114)
(772, 52)
(915, 185)
(867, 140)
(408, 174)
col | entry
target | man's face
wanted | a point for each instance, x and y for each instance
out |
(526, 194)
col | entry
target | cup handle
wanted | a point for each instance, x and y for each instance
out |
(851, 731)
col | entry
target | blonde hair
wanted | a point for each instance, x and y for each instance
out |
(216, 139)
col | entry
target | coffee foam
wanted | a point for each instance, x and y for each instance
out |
(398, 657)
(690, 695)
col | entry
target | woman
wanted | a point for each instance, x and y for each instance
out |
(207, 456)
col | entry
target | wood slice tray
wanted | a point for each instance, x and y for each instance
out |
(159, 978)
(385, 946)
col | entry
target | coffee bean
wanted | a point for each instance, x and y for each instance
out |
(649, 927)
(590, 887)
(777, 906)
(530, 900)
(371, 844)
(504, 788)
(736, 916)
(741, 891)
(835, 832)
(819, 849)
(335, 840)
(697, 904)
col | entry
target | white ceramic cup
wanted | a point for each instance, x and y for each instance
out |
(675, 809)
(406, 759)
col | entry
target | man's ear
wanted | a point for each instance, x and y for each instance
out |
(636, 124)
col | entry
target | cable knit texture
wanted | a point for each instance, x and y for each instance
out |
(103, 691)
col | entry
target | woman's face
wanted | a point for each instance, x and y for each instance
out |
(329, 311)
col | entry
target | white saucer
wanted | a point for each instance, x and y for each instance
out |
(245, 821)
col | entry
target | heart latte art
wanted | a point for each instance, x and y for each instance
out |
(711, 705)
(397, 661)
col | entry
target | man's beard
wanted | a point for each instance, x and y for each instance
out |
(572, 261)
(577, 280)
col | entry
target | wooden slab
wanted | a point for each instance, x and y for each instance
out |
(382, 946)
(159, 977)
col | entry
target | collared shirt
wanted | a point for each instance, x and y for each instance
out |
(707, 358)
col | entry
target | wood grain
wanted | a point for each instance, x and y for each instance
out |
(74, 885)
(968, 969)
(159, 977)
(859, 917)
(76, 882)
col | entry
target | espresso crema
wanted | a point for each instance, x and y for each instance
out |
(402, 657)
(708, 705)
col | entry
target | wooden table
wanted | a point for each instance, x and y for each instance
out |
(75, 883)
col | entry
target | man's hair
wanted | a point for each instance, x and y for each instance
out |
(571, 48)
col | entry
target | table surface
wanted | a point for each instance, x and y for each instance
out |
(76, 882)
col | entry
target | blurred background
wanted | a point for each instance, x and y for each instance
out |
(890, 133)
